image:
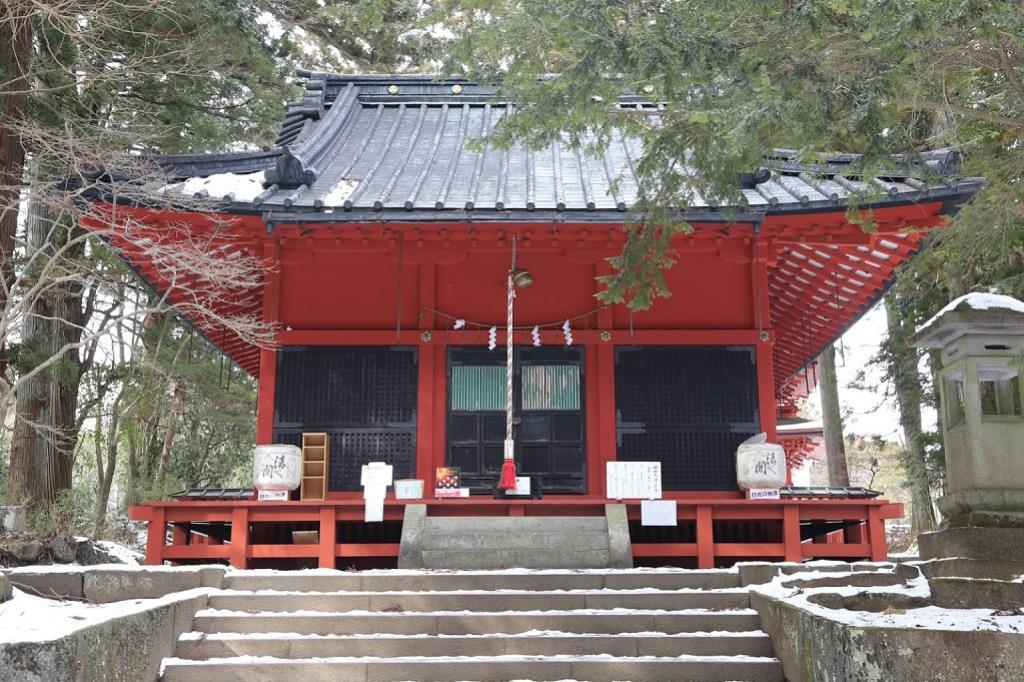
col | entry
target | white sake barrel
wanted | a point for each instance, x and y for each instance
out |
(760, 465)
(277, 467)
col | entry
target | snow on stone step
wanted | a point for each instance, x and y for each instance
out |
(521, 579)
(476, 622)
(602, 668)
(291, 646)
(506, 600)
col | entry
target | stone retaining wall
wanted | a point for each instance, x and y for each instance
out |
(126, 648)
(814, 648)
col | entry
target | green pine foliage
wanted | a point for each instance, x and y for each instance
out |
(740, 78)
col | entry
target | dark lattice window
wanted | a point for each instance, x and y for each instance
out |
(687, 407)
(363, 396)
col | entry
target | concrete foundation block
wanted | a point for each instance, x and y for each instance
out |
(409, 551)
(990, 544)
(620, 547)
(64, 584)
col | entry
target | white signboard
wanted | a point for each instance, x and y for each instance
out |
(658, 513)
(634, 480)
(376, 473)
(273, 495)
(408, 489)
(763, 494)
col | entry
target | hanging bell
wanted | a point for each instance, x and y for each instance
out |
(521, 278)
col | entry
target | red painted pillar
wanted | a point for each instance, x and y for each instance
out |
(265, 391)
(156, 537)
(425, 422)
(328, 536)
(705, 537)
(876, 534)
(239, 551)
(267, 384)
(440, 413)
(791, 532)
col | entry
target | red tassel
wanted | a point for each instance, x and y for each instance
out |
(508, 475)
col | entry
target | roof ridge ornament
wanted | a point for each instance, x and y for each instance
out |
(289, 172)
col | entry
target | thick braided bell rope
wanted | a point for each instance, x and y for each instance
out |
(508, 363)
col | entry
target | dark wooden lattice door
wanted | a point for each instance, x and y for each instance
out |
(687, 407)
(363, 396)
(549, 416)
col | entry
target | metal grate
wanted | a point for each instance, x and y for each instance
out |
(357, 385)
(364, 397)
(687, 407)
(351, 449)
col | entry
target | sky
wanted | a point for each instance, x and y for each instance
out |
(872, 412)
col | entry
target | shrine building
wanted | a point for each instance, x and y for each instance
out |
(388, 239)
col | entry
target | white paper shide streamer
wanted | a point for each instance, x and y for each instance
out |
(536, 336)
(567, 331)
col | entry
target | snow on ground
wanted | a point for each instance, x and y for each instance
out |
(928, 617)
(124, 554)
(27, 618)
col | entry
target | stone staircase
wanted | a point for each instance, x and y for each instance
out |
(487, 626)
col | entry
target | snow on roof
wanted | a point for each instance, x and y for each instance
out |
(978, 301)
(239, 186)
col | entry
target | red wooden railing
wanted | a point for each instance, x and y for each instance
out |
(863, 535)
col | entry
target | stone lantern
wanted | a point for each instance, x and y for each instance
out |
(981, 337)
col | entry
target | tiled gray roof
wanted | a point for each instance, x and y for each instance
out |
(399, 147)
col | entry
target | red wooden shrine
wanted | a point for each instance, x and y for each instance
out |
(377, 282)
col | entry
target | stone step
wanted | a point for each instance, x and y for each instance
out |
(534, 541)
(197, 646)
(464, 525)
(480, 601)
(493, 556)
(477, 623)
(483, 669)
(339, 581)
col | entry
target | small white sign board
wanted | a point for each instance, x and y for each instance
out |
(634, 480)
(522, 487)
(375, 478)
(763, 494)
(272, 496)
(376, 473)
(408, 489)
(658, 513)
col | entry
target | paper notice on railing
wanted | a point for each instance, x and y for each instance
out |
(374, 510)
(658, 513)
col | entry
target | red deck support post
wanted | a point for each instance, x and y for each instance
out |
(705, 538)
(328, 533)
(876, 534)
(239, 537)
(791, 532)
(156, 538)
(180, 533)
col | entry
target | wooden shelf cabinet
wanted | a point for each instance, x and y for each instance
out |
(316, 448)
